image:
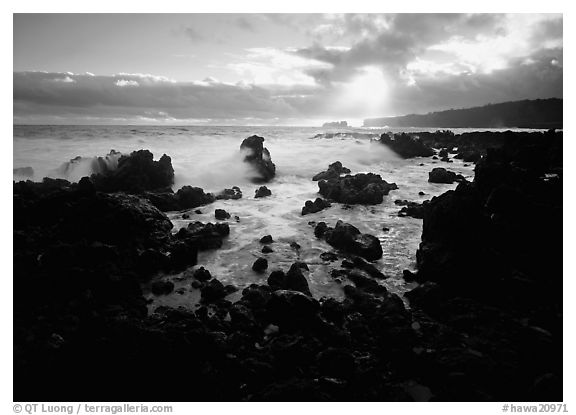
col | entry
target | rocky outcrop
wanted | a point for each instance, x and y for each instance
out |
(349, 239)
(406, 145)
(413, 209)
(316, 206)
(441, 175)
(362, 188)
(335, 170)
(262, 191)
(259, 158)
(136, 173)
(227, 194)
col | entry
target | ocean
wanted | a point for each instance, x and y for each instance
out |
(209, 157)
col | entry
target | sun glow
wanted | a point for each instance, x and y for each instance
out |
(365, 95)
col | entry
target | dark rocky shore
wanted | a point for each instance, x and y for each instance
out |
(483, 323)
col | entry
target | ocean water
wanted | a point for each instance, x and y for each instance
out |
(209, 157)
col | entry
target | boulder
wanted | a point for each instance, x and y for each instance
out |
(292, 309)
(262, 191)
(348, 238)
(316, 206)
(293, 280)
(221, 214)
(190, 197)
(406, 145)
(441, 175)
(334, 171)
(227, 194)
(259, 158)
(204, 236)
(260, 265)
(361, 188)
(136, 173)
(212, 291)
(202, 274)
(267, 239)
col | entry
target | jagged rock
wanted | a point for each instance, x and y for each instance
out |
(262, 191)
(267, 239)
(204, 236)
(260, 265)
(406, 146)
(334, 171)
(221, 214)
(349, 239)
(213, 290)
(358, 189)
(441, 175)
(136, 173)
(288, 308)
(413, 209)
(202, 274)
(190, 197)
(227, 194)
(267, 250)
(294, 279)
(316, 206)
(259, 157)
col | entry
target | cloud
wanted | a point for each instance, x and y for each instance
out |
(192, 34)
(352, 66)
(124, 82)
(245, 24)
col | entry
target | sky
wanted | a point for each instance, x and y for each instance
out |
(276, 69)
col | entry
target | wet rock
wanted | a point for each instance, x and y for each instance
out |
(259, 157)
(227, 194)
(202, 274)
(421, 193)
(469, 156)
(182, 255)
(212, 291)
(291, 308)
(136, 173)
(406, 146)
(267, 239)
(296, 246)
(204, 235)
(334, 171)
(409, 276)
(190, 197)
(267, 250)
(328, 256)
(443, 153)
(441, 175)
(262, 191)
(162, 287)
(358, 189)
(185, 216)
(23, 171)
(260, 265)
(221, 214)
(413, 209)
(349, 239)
(316, 206)
(293, 280)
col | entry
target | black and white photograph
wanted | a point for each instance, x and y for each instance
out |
(287, 207)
